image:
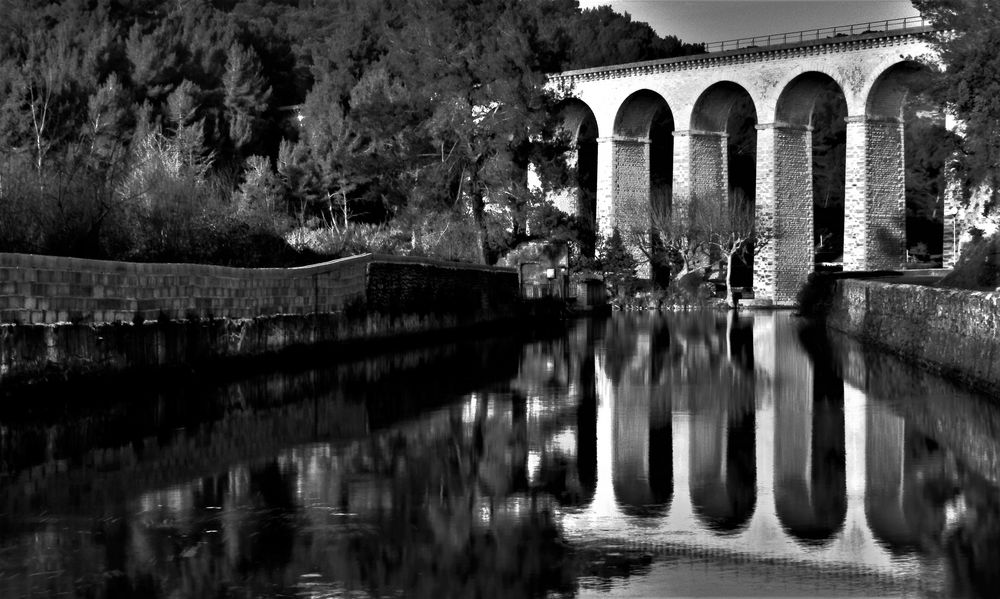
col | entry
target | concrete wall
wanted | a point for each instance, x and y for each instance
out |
(83, 316)
(954, 331)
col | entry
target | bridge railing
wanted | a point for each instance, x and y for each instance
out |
(806, 35)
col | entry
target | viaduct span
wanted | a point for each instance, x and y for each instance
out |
(666, 124)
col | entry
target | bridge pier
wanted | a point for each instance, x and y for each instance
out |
(784, 211)
(874, 194)
(623, 191)
(701, 167)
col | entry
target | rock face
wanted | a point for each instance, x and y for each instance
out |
(953, 331)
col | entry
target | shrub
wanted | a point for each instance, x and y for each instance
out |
(442, 235)
(345, 240)
(978, 266)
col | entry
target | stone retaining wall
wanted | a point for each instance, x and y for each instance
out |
(48, 289)
(62, 317)
(954, 331)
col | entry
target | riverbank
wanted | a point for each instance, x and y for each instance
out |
(61, 318)
(952, 331)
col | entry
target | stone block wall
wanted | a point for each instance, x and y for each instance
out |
(631, 185)
(681, 183)
(952, 330)
(605, 185)
(793, 226)
(783, 211)
(709, 165)
(631, 209)
(395, 286)
(701, 168)
(81, 316)
(875, 195)
(764, 262)
(47, 289)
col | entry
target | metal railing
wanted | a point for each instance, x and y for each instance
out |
(793, 37)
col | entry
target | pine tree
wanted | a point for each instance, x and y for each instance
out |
(246, 94)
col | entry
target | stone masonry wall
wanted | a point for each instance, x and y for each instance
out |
(605, 183)
(631, 207)
(793, 228)
(953, 331)
(466, 291)
(764, 261)
(48, 289)
(79, 316)
(886, 216)
(874, 196)
(709, 165)
(631, 186)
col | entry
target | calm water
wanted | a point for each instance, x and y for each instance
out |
(642, 455)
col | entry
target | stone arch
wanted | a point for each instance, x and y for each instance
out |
(875, 205)
(891, 99)
(810, 121)
(713, 108)
(634, 119)
(577, 118)
(721, 152)
(808, 118)
(642, 165)
(798, 98)
(719, 120)
(580, 122)
(888, 93)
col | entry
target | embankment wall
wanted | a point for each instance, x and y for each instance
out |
(953, 331)
(61, 317)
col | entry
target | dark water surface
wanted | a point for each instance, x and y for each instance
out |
(643, 455)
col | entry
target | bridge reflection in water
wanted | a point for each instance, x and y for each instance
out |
(730, 443)
(749, 448)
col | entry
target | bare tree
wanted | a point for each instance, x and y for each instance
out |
(728, 227)
(670, 237)
(705, 227)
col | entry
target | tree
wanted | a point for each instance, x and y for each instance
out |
(246, 94)
(969, 82)
(707, 228)
(617, 265)
(672, 238)
(728, 228)
(578, 39)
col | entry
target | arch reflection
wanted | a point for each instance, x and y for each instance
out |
(810, 467)
(643, 452)
(723, 471)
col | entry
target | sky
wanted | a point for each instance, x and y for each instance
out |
(716, 20)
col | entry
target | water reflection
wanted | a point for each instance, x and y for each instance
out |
(643, 454)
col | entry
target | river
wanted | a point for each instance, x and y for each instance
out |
(641, 455)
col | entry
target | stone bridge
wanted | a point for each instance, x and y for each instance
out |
(655, 134)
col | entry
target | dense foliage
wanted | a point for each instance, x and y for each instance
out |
(969, 82)
(251, 131)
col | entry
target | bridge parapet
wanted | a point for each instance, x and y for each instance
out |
(872, 28)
